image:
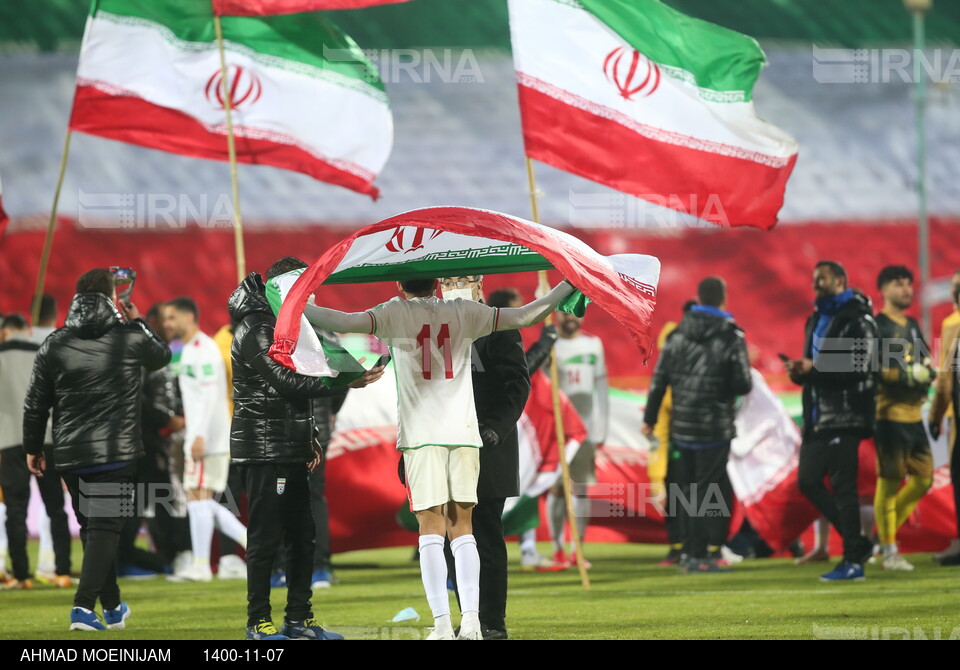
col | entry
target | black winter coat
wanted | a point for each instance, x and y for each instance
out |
(501, 386)
(839, 394)
(272, 410)
(705, 363)
(89, 373)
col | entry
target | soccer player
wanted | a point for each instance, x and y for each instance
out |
(430, 342)
(206, 445)
(583, 378)
(902, 446)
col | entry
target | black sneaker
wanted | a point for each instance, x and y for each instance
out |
(495, 634)
(672, 558)
(950, 560)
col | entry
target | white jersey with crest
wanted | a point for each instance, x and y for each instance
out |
(431, 342)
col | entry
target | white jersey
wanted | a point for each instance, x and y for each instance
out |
(431, 342)
(203, 385)
(583, 377)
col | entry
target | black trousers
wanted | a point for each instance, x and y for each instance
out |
(488, 532)
(280, 522)
(674, 520)
(15, 482)
(835, 456)
(321, 517)
(702, 502)
(102, 501)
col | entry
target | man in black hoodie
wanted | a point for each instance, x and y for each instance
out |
(705, 364)
(273, 443)
(839, 407)
(91, 371)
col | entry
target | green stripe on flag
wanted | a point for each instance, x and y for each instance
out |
(716, 58)
(306, 39)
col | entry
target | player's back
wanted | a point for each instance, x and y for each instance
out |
(431, 342)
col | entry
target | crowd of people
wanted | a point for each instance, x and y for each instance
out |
(190, 425)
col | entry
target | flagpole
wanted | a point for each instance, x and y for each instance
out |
(232, 152)
(557, 415)
(48, 240)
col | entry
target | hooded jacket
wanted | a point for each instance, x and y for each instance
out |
(272, 414)
(839, 393)
(89, 374)
(704, 363)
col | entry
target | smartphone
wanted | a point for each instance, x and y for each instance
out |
(383, 360)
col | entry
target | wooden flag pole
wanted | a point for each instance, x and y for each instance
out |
(557, 415)
(48, 240)
(232, 151)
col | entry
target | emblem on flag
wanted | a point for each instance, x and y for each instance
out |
(281, 485)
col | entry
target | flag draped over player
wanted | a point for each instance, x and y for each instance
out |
(456, 241)
(302, 95)
(639, 97)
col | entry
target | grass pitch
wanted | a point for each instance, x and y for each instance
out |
(631, 598)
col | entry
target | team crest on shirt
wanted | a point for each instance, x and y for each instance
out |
(281, 485)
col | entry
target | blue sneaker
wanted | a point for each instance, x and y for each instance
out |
(116, 617)
(278, 579)
(264, 630)
(84, 619)
(308, 629)
(321, 579)
(844, 572)
(133, 572)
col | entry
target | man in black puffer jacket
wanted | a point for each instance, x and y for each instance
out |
(90, 372)
(273, 441)
(705, 364)
(839, 407)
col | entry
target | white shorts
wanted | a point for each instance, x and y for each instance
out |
(436, 475)
(210, 473)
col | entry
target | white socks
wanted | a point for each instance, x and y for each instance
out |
(201, 531)
(467, 560)
(556, 516)
(821, 529)
(204, 516)
(867, 519)
(528, 541)
(581, 507)
(228, 524)
(433, 572)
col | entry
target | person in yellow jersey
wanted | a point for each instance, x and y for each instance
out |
(903, 450)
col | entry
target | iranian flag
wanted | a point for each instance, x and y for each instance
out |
(304, 98)
(646, 100)
(267, 7)
(457, 241)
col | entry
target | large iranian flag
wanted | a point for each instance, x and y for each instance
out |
(458, 241)
(266, 7)
(304, 97)
(646, 100)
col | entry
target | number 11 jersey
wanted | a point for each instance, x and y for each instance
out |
(431, 342)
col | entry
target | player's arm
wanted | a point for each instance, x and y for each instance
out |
(944, 387)
(337, 321)
(204, 399)
(658, 388)
(534, 312)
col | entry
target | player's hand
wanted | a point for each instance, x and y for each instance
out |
(646, 430)
(489, 437)
(197, 449)
(370, 376)
(129, 310)
(176, 423)
(36, 464)
(317, 456)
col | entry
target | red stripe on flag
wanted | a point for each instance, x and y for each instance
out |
(134, 120)
(725, 190)
(267, 7)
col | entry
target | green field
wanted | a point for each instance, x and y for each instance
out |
(631, 598)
